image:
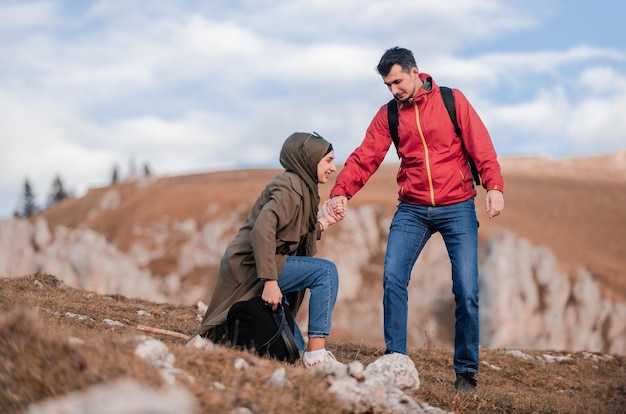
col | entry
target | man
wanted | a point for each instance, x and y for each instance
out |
(436, 195)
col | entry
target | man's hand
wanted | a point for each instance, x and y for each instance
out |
(340, 206)
(494, 202)
(272, 295)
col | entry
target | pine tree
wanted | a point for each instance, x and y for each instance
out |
(57, 192)
(29, 206)
(115, 177)
(146, 169)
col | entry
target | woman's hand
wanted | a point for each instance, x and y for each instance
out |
(272, 295)
(327, 216)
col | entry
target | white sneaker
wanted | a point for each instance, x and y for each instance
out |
(327, 356)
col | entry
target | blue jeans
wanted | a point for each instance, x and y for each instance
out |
(320, 277)
(410, 229)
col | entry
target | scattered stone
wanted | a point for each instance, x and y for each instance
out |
(157, 354)
(112, 322)
(394, 369)
(52, 312)
(199, 342)
(558, 358)
(154, 352)
(74, 341)
(519, 354)
(202, 307)
(241, 410)
(241, 364)
(79, 317)
(278, 378)
(377, 388)
(371, 396)
(356, 370)
(598, 357)
(122, 397)
(429, 409)
(330, 370)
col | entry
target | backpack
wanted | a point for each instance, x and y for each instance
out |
(252, 325)
(448, 100)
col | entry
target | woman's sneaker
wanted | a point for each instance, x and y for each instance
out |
(311, 362)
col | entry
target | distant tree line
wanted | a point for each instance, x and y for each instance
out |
(27, 205)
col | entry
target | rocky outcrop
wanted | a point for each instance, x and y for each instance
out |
(81, 257)
(526, 299)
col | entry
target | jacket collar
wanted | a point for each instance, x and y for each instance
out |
(427, 87)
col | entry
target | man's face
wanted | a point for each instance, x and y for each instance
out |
(402, 85)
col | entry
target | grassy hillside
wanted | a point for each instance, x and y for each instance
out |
(38, 360)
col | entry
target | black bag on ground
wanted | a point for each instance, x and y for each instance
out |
(252, 325)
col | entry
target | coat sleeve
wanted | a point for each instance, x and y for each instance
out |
(478, 144)
(279, 212)
(366, 158)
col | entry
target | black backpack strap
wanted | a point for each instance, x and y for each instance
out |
(392, 118)
(285, 333)
(448, 101)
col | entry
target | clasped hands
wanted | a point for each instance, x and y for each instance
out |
(332, 211)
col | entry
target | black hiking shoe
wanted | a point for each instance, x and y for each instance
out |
(465, 381)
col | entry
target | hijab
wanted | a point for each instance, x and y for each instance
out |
(300, 154)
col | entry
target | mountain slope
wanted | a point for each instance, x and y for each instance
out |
(554, 258)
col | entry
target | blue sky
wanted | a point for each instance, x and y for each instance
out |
(192, 86)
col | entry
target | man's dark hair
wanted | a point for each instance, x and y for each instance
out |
(393, 56)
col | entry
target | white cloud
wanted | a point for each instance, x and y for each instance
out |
(189, 87)
(23, 16)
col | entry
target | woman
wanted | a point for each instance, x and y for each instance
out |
(271, 254)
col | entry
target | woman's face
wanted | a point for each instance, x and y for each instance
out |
(326, 167)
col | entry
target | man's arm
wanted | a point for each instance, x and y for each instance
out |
(478, 144)
(365, 159)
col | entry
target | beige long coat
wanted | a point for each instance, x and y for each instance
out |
(273, 230)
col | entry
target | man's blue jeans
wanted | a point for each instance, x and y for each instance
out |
(411, 228)
(320, 277)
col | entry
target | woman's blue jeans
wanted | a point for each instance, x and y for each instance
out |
(411, 228)
(321, 278)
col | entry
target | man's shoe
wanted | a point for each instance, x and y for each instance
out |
(465, 381)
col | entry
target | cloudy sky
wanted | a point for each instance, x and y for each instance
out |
(195, 86)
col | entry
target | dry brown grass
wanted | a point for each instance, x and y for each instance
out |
(37, 361)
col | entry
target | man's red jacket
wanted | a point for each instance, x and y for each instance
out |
(433, 168)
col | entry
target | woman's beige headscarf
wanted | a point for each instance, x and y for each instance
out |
(300, 154)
